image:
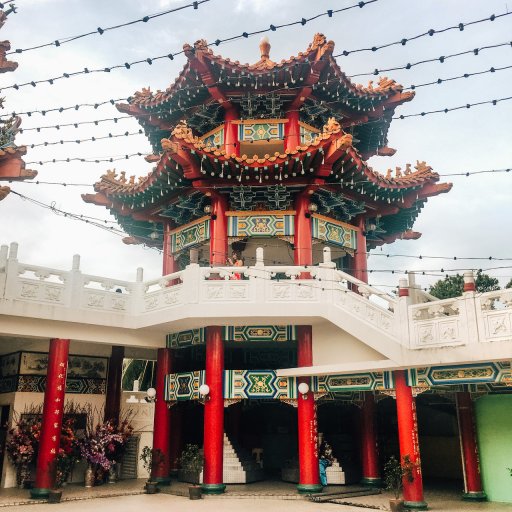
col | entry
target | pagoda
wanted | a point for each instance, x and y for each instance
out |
(274, 155)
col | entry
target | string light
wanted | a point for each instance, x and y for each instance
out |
(431, 32)
(100, 31)
(91, 139)
(88, 160)
(452, 109)
(441, 59)
(217, 42)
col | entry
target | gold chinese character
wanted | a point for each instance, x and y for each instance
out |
(57, 411)
(61, 364)
(54, 438)
(52, 450)
(59, 388)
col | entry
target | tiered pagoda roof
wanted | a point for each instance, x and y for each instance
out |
(343, 119)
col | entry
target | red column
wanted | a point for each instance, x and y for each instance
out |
(231, 143)
(303, 254)
(470, 463)
(219, 230)
(113, 397)
(292, 131)
(214, 413)
(162, 419)
(360, 264)
(309, 476)
(370, 459)
(176, 437)
(408, 440)
(170, 265)
(49, 441)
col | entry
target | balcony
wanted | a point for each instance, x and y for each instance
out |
(45, 302)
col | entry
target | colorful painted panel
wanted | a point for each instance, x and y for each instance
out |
(261, 225)
(258, 384)
(354, 382)
(334, 232)
(481, 373)
(36, 363)
(239, 333)
(183, 386)
(260, 131)
(307, 135)
(185, 339)
(190, 235)
(37, 384)
(215, 139)
(280, 333)
(9, 364)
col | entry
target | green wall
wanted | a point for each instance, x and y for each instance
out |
(494, 430)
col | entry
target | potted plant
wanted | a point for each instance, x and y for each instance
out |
(150, 460)
(191, 462)
(394, 473)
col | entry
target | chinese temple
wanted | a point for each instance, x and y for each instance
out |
(270, 342)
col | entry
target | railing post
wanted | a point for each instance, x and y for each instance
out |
(468, 301)
(137, 291)
(404, 301)
(191, 279)
(4, 250)
(259, 276)
(74, 288)
(325, 276)
(11, 271)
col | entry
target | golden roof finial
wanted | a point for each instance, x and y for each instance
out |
(264, 48)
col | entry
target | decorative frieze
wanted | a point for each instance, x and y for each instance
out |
(190, 235)
(239, 334)
(334, 232)
(247, 224)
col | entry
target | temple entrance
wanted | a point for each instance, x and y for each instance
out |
(267, 429)
(438, 438)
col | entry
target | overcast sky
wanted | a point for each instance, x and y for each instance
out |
(473, 220)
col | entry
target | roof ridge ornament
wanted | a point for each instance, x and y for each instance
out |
(265, 48)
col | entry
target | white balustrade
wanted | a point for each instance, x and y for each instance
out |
(469, 319)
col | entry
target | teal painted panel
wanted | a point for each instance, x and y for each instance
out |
(494, 432)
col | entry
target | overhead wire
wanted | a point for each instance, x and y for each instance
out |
(170, 56)
(431, 32)
(100, 31)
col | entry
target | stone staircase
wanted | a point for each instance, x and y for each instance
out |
(239, 465)
(335, 474)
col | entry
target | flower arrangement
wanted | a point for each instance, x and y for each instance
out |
(104, 445)
(69, 452)
(22, 445)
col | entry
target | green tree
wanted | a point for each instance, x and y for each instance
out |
(509, 284)
(453, 286)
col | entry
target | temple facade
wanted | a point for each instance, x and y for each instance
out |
(269, 338)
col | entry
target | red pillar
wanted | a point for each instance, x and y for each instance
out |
(472, 481)
(292, 131)
(408, 441)
(113, 396)
(231, 143)
(360, 263)
(49, 441)
(309, 476)
(219, 230)
(214, 413)
(162, 419)
(370, 459)
(176, 437)
(170, 265)
(303, 253)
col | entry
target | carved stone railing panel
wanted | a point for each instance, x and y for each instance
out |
(494, 314)
(439, 323)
